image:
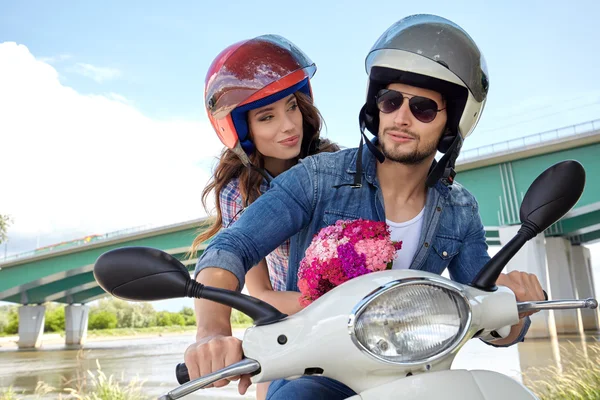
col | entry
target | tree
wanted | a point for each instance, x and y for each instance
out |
(5, 221)
(55, 318)
(102, 320)
(3, 321)
(177, 319)
(239, 318)
(187, 312)
(129, 315)
(13, 322)
(163, 318)
(188, 315)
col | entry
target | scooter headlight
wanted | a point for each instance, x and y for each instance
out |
(411, 321)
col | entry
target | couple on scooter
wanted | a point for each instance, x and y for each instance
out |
(277, 183)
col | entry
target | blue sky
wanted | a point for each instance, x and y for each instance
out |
(129, 76)
(541, 57)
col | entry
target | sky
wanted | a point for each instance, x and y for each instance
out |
(102, 125)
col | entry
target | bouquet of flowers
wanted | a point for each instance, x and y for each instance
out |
(343, 251)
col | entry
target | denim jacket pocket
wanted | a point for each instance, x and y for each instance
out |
(446, 247)
(330, 217)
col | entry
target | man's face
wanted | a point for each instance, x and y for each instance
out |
(403, 137)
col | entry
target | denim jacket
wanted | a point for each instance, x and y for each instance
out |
(301, 201)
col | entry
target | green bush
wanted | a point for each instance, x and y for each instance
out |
(55, 318)
(13, 323)
(3, 321)
(177, 319)
(102, 320)
(239, 318)
(129, 315)
(189, 316)
(163, 318)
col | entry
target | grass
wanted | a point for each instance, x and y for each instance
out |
(101, 387)
(41, 389)
(91, 385)
(8, 394)
(579, 380)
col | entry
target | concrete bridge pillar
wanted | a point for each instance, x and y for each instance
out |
(562, 284)
(76, 324)
(581, 263)
(532, 259)
(31, 326)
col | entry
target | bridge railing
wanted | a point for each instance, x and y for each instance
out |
(530, 140)
(78, 242)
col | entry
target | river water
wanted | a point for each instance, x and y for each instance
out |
(153, 360)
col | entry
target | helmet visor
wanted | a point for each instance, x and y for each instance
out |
(251, 67)
(441, 41)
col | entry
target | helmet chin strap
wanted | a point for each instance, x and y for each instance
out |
(239, 151)
(444, 169)
(357, 184)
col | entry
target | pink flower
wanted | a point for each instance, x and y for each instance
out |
(342, 251)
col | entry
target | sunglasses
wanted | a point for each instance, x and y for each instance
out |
(423, 108)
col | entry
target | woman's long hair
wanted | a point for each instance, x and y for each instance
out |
(230, 166)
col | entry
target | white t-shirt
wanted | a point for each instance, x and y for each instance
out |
(409, 233)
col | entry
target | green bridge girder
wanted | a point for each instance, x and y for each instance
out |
(500, 187)
(66, 276)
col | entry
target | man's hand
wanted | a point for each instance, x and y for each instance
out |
(525, 286)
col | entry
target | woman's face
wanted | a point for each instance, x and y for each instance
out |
(276, 129)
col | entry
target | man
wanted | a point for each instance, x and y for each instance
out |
(427, 87)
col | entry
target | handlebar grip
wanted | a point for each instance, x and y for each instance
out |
(181, 372)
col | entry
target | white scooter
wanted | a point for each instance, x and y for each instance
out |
(386, 335)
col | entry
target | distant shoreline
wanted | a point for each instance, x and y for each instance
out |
(10, 342)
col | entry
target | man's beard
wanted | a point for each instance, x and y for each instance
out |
(415, 157)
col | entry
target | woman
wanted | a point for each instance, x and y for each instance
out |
(259, 100)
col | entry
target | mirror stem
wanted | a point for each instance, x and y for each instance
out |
(262, 313)
(487, 277)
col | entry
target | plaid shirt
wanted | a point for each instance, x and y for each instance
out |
(231, 202)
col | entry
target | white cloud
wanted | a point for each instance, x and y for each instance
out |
(99, 74)
(118, 97)
(55, 59)
(71, 162)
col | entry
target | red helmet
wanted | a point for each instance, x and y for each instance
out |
(251, 74)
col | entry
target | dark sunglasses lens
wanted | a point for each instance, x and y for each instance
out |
(389, 101)
(424, 109)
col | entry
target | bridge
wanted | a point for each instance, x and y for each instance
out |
(64, 274)
(498, 175)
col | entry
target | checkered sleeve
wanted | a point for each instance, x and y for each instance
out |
(231, 202)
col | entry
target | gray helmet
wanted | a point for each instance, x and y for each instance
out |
(433, 53)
